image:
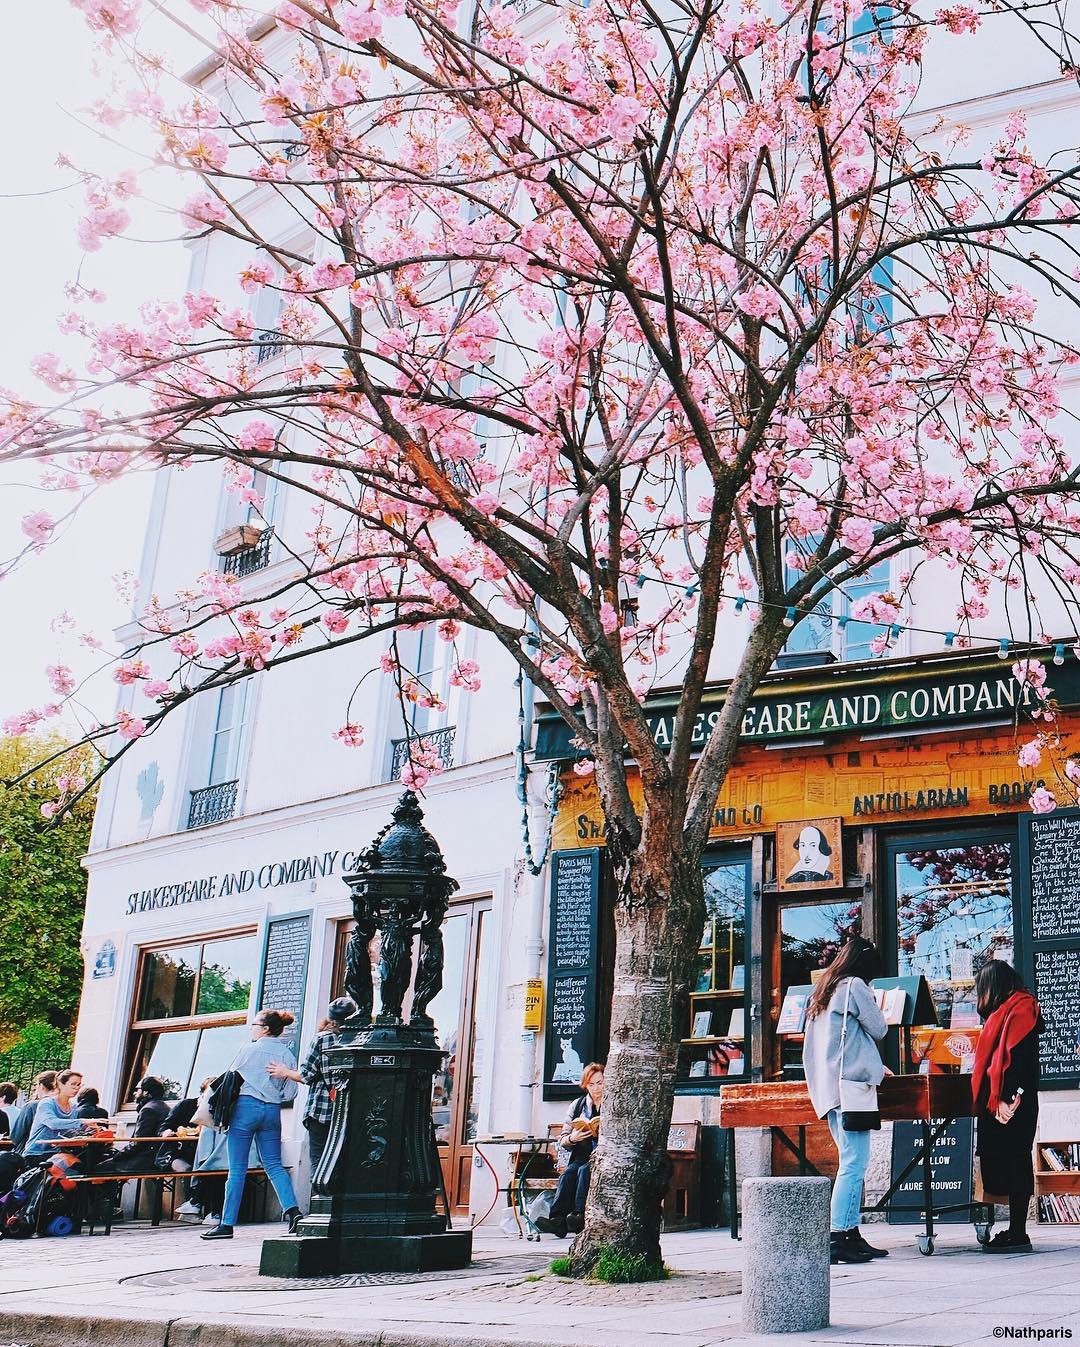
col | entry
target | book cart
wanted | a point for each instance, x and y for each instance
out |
(933, 1101)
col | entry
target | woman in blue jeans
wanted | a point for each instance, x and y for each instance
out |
(842, 994)
(257, 1116)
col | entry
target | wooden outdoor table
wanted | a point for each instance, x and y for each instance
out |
(933, 1101)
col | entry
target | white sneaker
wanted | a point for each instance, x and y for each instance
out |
(189, 1209)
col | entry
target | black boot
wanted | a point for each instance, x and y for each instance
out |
(552, 1225)
(856, 1241)
(218, 1232)
(294, 1216)
(841, 1249)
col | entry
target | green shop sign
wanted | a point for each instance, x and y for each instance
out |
(913, 696)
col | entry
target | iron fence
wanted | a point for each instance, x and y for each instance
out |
(212, 804)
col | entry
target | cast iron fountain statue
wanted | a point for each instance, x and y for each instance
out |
(373, 1193)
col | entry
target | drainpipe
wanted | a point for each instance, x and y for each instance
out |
(534, 944)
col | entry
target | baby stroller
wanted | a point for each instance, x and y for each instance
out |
(43, 1200)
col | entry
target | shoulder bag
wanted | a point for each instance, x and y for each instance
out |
(858, 1098)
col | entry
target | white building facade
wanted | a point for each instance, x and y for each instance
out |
(216, 865)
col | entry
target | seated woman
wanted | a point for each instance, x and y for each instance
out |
(579, 1134)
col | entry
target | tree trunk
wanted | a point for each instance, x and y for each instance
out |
(659, 914)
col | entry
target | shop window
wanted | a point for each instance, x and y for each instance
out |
(191, 1009)
(954, 913)
(811, 934)
(716, 1042)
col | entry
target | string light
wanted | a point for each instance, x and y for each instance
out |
(891, 630)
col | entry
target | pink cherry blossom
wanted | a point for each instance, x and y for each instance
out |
(38, 526)
(61, 679)
(1043, 801)
(129, 726)
(351, 735)
(1030, 754)
(359, 25)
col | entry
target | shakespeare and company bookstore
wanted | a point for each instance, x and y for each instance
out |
(884, 799)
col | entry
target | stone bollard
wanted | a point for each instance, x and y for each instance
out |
(785, 1255)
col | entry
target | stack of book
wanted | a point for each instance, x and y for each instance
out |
(1059, 1208)
(1062, 1157)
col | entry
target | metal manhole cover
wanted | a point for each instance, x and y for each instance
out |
(236, 1277)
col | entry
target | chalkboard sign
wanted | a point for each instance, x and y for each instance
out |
(1054, 854)
(283, 984)
(950, 1170)
(573, 958)
(1050, 857)
(1057, 986)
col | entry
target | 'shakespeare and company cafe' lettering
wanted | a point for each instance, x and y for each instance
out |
(271, 875)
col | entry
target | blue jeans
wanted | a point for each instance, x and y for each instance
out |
(252, 1118)
(573, 1189)
(854, 1148)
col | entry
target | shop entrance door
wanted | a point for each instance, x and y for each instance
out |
(807, 934)
(464, 1035)
(461, 1031)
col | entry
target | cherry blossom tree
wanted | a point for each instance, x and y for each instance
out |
(616, 320)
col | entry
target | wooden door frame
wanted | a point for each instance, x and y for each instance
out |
(456, 1155)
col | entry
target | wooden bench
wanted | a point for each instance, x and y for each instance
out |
(89, 1215)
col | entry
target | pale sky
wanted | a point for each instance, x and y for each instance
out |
(47, 99)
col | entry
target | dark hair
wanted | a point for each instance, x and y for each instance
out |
(276, 1021)
(46, 1079)
(858, 958)
(8, 1092)
(69, 1074)
(89, 1098)
(995, 982)
(152, 1086)
(823, 844)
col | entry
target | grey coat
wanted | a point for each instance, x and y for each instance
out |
(821, 1045)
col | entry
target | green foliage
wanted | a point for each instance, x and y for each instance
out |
(220, 991)
(42, 889)
(561, 1265)
(39, 1041)
(613, 1266)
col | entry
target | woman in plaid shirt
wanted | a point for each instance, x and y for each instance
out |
(315, 1074)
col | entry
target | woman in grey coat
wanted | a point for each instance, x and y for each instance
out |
(843, 986)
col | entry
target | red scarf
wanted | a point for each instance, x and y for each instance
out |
(1013, 1020)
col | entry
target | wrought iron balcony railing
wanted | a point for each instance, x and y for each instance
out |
(212, 804)
(271, 344)
(250, 559)
(441, 741)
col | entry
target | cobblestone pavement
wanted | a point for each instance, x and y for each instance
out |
(166, 1288)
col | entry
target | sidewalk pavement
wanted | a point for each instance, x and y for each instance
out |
(143, 1287)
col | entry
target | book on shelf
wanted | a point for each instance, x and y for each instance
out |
(702, 1024)
(793, 1012)
(699, 1067)
(891, 1001)
(738, 977)
(1053, 1160)
(735, 1027)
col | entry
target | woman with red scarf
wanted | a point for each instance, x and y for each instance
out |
(1005, 1087)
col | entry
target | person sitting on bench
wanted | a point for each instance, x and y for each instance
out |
(579, 1134)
